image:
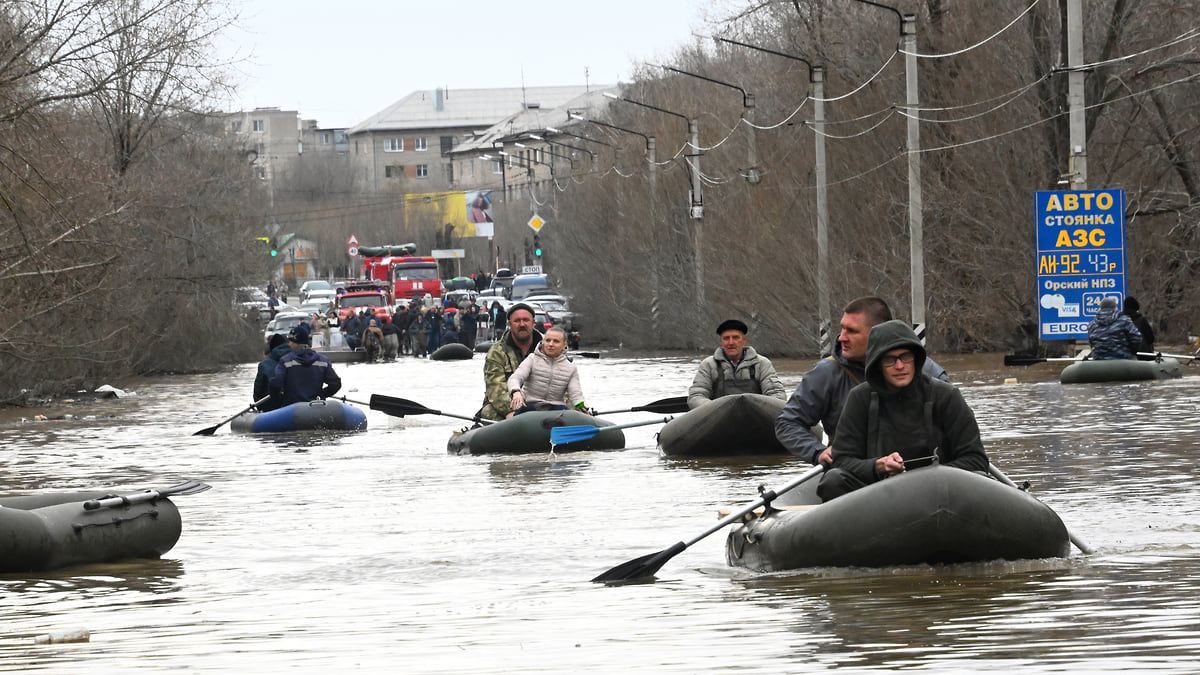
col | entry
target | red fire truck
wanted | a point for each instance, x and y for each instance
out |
(410, 276)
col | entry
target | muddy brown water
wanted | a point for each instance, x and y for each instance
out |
(379, 551)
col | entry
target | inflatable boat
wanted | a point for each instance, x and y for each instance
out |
(327, 415)
(740, 424)
(453, 351)
(1120, 370)
(530, 433)
(924, 516)
(46, 532)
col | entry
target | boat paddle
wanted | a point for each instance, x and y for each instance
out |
(399, 407)
(209, 431)
(583, 432)
(1018, 360)
(647, 565)
(1183, 357)
(665, 406)
(188, 487)
(1079, 543)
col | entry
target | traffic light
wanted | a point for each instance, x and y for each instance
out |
(537, 246)
(274, 248)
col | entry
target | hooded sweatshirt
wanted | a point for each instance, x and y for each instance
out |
(924, 418)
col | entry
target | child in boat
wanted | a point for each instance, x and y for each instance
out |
(546, 380)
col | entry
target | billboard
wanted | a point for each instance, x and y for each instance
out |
(1080, 258)
(470, 213)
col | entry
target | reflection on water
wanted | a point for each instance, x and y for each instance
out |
(379, 551)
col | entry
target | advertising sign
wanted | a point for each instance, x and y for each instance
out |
(1080, 258)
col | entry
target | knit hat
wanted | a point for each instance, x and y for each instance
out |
(299, 335)
(1108, 303)
(276, 340)
(519, 305)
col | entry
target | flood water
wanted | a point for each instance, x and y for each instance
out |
(379, 551)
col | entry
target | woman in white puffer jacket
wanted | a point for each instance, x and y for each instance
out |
(546, 379)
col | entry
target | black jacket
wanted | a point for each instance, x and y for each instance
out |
(926, 417)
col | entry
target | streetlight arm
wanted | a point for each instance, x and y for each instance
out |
(747, 98)
(613, 126)
(647, 105)
(769, 51)
(876, 4)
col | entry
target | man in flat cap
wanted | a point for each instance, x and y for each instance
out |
(735, 368)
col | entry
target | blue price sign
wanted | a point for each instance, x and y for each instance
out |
(1080, 258)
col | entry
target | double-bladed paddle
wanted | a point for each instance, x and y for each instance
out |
(647, 565)
(1079, 543)
(1185, 357)
(1018, 360)
(399, 407)
(583, 432)
(209, 431)
(664, 406)
(188, 487)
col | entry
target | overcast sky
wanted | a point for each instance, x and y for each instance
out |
(341, 62)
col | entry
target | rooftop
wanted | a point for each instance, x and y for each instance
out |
(446, 108)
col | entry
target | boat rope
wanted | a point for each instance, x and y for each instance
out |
(115, 521)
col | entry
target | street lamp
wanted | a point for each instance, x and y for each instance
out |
(548, 152)
(752, 175)
(653, 266)
(552, 130)
(591, 154)
(916, 238)
(696, 209)
(816, 76)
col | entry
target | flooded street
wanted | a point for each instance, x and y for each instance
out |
(380, 551)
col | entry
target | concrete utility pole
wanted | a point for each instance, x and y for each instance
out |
(916, 234)
(1077, 165)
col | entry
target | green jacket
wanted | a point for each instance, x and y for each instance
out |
(499, 365)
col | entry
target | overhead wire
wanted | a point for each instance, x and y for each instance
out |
(977, 45)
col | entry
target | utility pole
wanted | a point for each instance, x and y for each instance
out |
(1077, 164)
(916, 236)
(697, 209)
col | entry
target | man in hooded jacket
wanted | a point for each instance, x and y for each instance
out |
(1112, 335)
(822, 393)
(277, 348)
(900, 418)
(303, 375)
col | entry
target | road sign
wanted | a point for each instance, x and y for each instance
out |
(353, 250)
(1080, 258)
(352, 241)
(536, 222)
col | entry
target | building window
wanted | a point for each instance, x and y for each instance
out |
(422, 171)
(419, 143)
(447, 143)
(261, 149)
(258, 125)
(261, 172)
(392, 171)
(235, 126)
(324, 138)
(393, 145)
(497, 166)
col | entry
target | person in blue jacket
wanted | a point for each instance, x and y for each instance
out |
(277, 347)
(303, 374)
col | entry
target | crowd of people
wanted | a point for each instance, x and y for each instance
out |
(882, 404)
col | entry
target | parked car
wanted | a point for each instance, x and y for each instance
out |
(460, 298)
(527, 284)
(318, 305)
(308, 288)
(557, 307)
(254, 302)
(284, 322)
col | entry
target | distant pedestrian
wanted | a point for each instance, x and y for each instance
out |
(1133, 311)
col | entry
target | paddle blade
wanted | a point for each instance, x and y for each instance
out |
(1017, 360)
(666, 406)
(208, 431)
(640, 568)
(397, 407)
(572, 434)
